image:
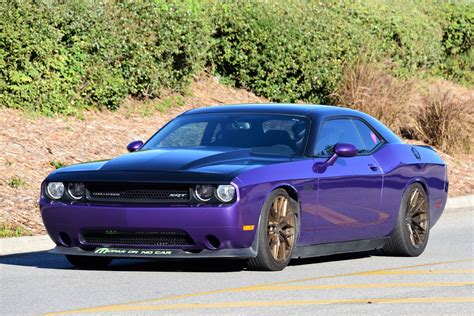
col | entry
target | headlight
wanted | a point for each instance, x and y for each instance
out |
(225, 193)
(76, 190)
(55, 190)
(204, 192)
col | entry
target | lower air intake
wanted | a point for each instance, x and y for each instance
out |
(168, 238)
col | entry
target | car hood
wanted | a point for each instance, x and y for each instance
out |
(173, 163)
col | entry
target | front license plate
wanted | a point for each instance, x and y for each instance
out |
(132, 252)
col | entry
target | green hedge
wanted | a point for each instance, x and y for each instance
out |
(62, 56)
(295, 50)
(458, 42)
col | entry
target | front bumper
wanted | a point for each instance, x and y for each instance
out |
(224, 222)
(241, 253)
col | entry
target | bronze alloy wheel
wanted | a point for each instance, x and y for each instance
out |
(412, 228)
(281, 228)
(417, 217)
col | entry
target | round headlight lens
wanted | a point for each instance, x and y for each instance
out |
(225, 193)
(55, 190)
(204, 192)
(76, 190)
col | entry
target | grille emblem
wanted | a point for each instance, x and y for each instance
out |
(106, 194)
(178, 195)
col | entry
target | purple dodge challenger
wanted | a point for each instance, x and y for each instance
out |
(263, 182)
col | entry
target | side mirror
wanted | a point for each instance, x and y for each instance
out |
(345, 150)
(134, 146)
(340, 150)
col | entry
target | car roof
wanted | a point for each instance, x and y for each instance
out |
(277, 108)
(317, 112)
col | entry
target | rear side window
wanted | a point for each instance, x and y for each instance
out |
(368, 136)
(345, 130)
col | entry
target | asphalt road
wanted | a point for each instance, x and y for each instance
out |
(439, 282)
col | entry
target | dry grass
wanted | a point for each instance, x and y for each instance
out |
(445, 120)
(368, 88)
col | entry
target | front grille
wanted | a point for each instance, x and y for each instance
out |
(164, 238)
(139, 193)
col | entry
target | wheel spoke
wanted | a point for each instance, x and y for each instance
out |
(285, 238)
(287, 235)
(271, 223)
(419, 204)
(416, 235)
(287, 219)
(417, 216)
(412, 235)
(418, 225)
(284, 208)
(274, 244)
(274, 211)
(414, 197)
(282, 250)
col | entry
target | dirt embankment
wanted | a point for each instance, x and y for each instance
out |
(34, 146)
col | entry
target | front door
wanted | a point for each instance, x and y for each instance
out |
(349, 191)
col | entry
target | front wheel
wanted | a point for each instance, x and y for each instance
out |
(410, 236)
(276, 233)
(88, 262)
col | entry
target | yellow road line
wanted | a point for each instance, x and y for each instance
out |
(410, 300)
(175, 297)
(353, 286)
(420, 272)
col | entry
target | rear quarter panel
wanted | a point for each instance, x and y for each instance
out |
(401, 168)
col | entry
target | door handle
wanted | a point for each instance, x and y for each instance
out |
(373, 167)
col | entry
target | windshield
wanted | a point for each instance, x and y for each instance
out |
(263, 133)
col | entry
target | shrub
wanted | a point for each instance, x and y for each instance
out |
(290, 51)
(16, 182)
(446, 121)
(368, 88)
(7, 231)
(58, 57)
(457, 42)
(56, 164)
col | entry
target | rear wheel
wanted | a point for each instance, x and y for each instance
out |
(88, 262)
(277, 232)
(410, 236)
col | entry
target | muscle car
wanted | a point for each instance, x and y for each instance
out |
(265, 183)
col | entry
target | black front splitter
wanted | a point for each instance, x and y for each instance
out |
(243, 253)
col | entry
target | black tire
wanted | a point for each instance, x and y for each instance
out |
(265, 261)
(404, 239)
(88, 262)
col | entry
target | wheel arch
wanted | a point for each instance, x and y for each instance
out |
(425, 187)
(293, 193)
(290, 190)
(420, 181)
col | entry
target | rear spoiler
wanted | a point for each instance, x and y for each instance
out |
(426, 146)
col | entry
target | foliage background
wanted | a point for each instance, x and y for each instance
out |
(64, 56)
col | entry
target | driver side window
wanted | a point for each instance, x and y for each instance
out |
(189, 135)
(338, 131)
